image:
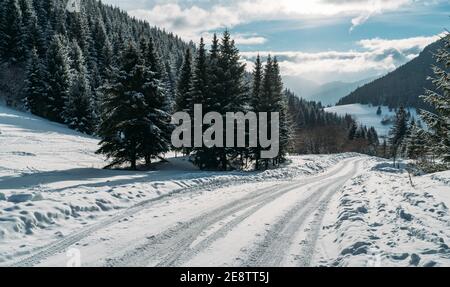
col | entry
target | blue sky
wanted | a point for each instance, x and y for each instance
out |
(318, 40)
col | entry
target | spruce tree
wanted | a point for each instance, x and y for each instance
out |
(183, 101)
(200, 85)
(79, 110)
(59, 79)
(415, 143)
(398, 132)
(35, 86)
(231, 91)
(34, 37)
(255, 101)
(157, 99)
(134, 123)
(438, 122)
(11, 32)
(123, 122)
(201, 92)
(280, 106)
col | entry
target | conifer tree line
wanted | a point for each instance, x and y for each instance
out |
(216, 78)
(67, 57)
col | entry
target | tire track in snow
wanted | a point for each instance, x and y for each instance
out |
(272, 250)
(61, 245)
(173, 246)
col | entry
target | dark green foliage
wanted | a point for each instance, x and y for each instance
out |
(36, 86)
(12, 46)
(183, 100)
(79, 112)
(99, 30)
(398, 132)
(134, 122)
(59, 79)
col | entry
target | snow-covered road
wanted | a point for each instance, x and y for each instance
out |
(57, 204)
(255, 226)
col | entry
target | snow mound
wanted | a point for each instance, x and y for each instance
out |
(379, 219)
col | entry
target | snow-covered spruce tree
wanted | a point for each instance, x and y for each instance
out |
(415, 142)
(79, 110)
(201, 92)
(280, 106)
(122, 121)
(103, 49)
(12, 48)
(230, 91)
(255, 100)
(134, 122)
(272, 99)
(34, 38)
(398, 132)
(183, 100)
(36, 86)
(151, 57)
(213, 81)
(438, 122)
(265, 103)
(59, 79)
(157, 135)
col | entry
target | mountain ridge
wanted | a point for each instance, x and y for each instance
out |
(401, 87)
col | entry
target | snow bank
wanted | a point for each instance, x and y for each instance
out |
(379, 219)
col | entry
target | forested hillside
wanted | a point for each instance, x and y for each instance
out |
(317, 131)
(44, 49)
(402, 87)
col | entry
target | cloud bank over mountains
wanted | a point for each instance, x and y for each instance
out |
(376, 57)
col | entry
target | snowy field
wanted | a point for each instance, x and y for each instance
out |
(367, 115)
(340, 210)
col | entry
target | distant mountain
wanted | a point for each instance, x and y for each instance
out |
(331, 93)
(404, 86)
(302, 87)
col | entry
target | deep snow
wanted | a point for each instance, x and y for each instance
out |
(343, 210)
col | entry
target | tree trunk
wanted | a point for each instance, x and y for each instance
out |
(224, 160)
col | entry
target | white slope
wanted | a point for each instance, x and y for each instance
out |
(344, 210)
(367, 115)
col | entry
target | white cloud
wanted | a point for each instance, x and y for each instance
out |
(189, 20)
(378, 56)
(418, 43)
